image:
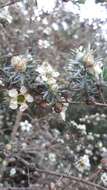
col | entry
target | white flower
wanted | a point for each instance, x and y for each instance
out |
(90, 10)
(74, 123)
(78, 148)
(19, 63)
(99, 144)
(47, 30)
(12, 171)
(19, 98)
(90, 136)
(52, 157)
(43, 43)
(89, 152)
(103, 115)
(70, 7)
(48, 74)
(56, 133)
(55, 26)
(5, 14)
(4, 163)
(29, 31)
(104, 179)
(46, 68)
(1, 82)
(103, 149)
(97, 135)
(8, 147)
(25, 126)
(65, 26)
(24, 145)
(60, 140)
(46, 6)
(83, 164)
(45, 21)
(81, 127)
(98, 118)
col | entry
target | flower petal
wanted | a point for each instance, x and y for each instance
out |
(23, 128)
(13, 104)
(23, 90)
(55, 74)
(28, 98)
(63, 115)
(13, 92)
(23, 107)
(15, 60)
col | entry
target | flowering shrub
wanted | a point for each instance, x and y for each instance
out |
(53, 98)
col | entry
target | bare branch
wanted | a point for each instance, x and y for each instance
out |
(91, 104)
(15, 128)
(61, 175)
(9, 3)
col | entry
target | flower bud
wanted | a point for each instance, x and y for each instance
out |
(19, 63)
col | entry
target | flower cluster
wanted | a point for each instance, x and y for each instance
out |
(94, 118)
(48, 74)
(80, 127)
(43, 43)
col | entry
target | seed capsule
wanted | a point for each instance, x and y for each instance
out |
(58, 107)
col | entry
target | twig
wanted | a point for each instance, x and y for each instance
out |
(61, 175)
(18, 188)
(9, 3)
(100, 93)
(28, 175)
(15, 128)
(71, 178)
(90, 104)
(94, 176)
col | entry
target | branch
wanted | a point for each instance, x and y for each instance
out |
(9, 3)
(71, 178)
(48, 172)
(19, 188)
(90, 104)
(15, 127)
